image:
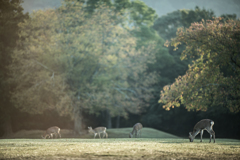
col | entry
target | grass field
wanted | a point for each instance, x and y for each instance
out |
(112, 133)
(119, 148)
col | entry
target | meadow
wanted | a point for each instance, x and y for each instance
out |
(161, 146)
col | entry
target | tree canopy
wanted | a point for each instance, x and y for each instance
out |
(213, 78)
(70, 62)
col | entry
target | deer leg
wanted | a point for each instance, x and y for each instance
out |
(59, 135)
(214, 138)
(99, 135)
(51, 136)
(95, 135)
(210, 138)
(201, 133)
(104, 135)
(138, 133)
(212, 133)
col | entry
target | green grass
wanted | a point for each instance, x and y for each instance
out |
(146, 133)
(120, 148)
(112, 133)
(161, 146)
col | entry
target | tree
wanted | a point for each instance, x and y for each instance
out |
(167, 26)
(170, 66)
(36, 68)
(11, 13)
(141, 14)
(111, 73)
(71, 62)
(213, 77)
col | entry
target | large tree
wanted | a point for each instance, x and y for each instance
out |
(115, 80)
(36, 68)
(71, 62)
(11, 13)
(213, 78)
(170, 66)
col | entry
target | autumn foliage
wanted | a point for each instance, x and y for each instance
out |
(213, 77)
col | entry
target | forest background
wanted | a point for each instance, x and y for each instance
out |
(104, 63)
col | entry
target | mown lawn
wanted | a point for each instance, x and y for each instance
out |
(118, 148)
(112, 133)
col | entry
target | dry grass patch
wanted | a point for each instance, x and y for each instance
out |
(122, 148)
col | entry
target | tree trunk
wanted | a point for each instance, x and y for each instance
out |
(77, 121)
(7, 127)
(109, 119)
(118, 121)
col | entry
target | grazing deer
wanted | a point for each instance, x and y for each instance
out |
(205, 124)
(136, 130)
(98, 131)
(51, 131)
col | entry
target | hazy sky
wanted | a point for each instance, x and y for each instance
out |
(162, 7)
(219, 7)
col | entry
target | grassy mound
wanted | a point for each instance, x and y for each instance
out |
(112, 133)
(146, 133)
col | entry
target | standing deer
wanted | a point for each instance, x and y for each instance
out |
(98, 131)
(205, 124)
(52, 131)
(136, 130)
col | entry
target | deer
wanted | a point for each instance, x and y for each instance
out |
(205, 124)
(98, 131)
(136, 130)
(52, 131)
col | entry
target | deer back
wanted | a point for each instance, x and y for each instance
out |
(137, 126)
(203, 124)
(100, 129)
(54, 129)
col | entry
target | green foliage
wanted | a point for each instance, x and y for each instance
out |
(142, 14)
(167, 25)
(215, 46)
(197, 15)
(104, 53)
(91, 5)
(170, 68)
(69, 61)
(36, 69)
(11, 13)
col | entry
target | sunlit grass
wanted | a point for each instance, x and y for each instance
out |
(146, 133)
(154, 144)
(121, 148)
(112, 133)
